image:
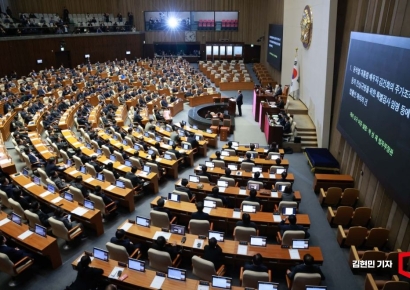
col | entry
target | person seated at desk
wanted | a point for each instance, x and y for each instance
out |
(280, 103)
(192, 140)
(175, 151)
(137, 154)
(14, 254)
(87, 277)
(278, 161)
(35, 208)
(173, 98)
(246, 222)
(121, 240)
(110, 167)
(6, 187)
(273, 147)
(183, 187)
(287, 194)
(213, 253)
(158, 115)
(18, 196)
(59, 215)
(215, 194)
(256, 176)
(230, 147)
(292, 226)
(110, 147)
(287, 126)
(278, 90)
(252, 147)
(160, 207)
(135, 180)
(281, 120)
(161, 245)
(248, 158)
(57, 180)
(161, 170)
(284, 174)
(84, 158)
(95, 164)
(137, 117)
(307, 267)
(256, 264)
(34, 160)
(218, 155)
(164, 102)
(203, 172)
(252, 196)
(227, 173)
(106, 199)
(77, 183)
(51, 166)
(200, 214)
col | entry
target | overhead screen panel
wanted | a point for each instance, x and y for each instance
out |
(274, 43)
(374, 115)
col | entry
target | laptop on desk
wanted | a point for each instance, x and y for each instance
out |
(40, 230)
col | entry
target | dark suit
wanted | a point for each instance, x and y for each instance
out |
(133, 178)
(185, 189)
(242, 224)
(256, 268)
(239, 103)
(302, 268)
(278, 93)
(13, 254)
(126, 243)
(52, 167)
(89, 278)
(200, 216)
(288, 196)
(284, 227)
(96, 166)
(213, 255)
(172, 251)
(286, 128)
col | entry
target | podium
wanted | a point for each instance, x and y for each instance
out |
(273, 133)
(232, 107)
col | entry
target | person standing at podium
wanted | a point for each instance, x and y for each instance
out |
(239, 102)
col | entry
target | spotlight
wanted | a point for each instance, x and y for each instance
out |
(172, 22)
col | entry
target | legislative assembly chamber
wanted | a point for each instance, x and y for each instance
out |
(213, 144)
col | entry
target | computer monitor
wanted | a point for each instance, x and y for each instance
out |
(274, 157)
(235, 144)
(88, 145)
(282, 188)
(100, 176)
(119, 183)
(146, 169)
(174, 197)
(68, 196)
(308, 287)
(167, 156)
(209, 164)
(83, 170)
(254, 155)
(257, 169)
(224, 153)
(146, 134)
(258, 241)
(249, 208)
(268, 286)
(25, 172)
(176, 274)
(137, 147)
(51, 188)
(233, 166)
(209, 131)
(221, 282)
(181, 133)
(255, 144)
(300, 244)
(99, 151)
(209, 203)
(168, 129)
(253, 186)
(186, 147)
(194, 178)
(219, 236)
(89, 204)
(195, 127)
(69, 162)
(36, 180)
(16, 218)
(40, 230)
(128, 163)
(150, 152)
(158, 139)
(222, 183)
(100, 254)
(197, 138)
(124, 142)
(136, 265)
(113, 158)
(179, 230)
(280, 170)
(288, 210)
(115, 137)
(170, 142)
(141, 221)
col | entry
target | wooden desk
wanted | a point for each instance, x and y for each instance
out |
(141, 280)
(266, 109)
(5, 123)
(211, 138)
(272, 254)
(153, 103)
(44, 151)
(242, 149)
(273, 133)
(67, 119)
(235, 195)
(35, 125)
(46, 247)
(176, 107)
(6, 162)
(121, 115)
(257, 98)
(92, 218)
(332, 180)
(201, 100)
(93, 99)
(266, 164)
(234, 86)
(94, 117)
(223, 217)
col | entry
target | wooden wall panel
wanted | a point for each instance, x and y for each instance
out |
(381, 17)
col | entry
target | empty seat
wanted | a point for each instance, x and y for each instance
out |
(331, 197)
(349, 197)
(204, 269)
(341, 216)
(354, 236)
(251, 278)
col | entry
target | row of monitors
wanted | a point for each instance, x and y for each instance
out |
(180, 274)
(38, 229)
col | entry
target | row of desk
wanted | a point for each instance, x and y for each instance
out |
(265, 163)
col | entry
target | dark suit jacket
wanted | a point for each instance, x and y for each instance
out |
(96, 166)
(126, 243)
(200, 216)
(278, 93)
(256, 268)
(185, 189)
(88, 278)
(13, 254)
(288, 227)
(288, 196)
(239, 99)
(172, 251)
(213, 255)
(52, 167)
(302, 268)
(133, 178)
(286, 128)
(32, 158)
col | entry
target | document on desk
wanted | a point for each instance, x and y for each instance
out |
(44, 151)
(198, 244)
(160, 233)
(202, 287)
(5, 161)
(44, 194)
(25, 235)
(277, 218)
(222, 189)
(240, 159)
(274, 194)
(4, 221)
(111, 187)
(89, 179)
(236, 214)
(79, 211)
(76, 143)
(294, 254)
(38, 145)
(115, 273)
(261, 175)
(159, 159)
(79, 259)
(242, 191)
(29, 185)
(157, 282)
(73, 172)
(272, 176)
(242, 250)
(57, 199)
(106, 161)
(126, 226)
(121, 167)
(207, 210)
(265, 150)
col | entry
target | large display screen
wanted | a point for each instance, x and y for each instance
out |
(375, 110)
(275, 46)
